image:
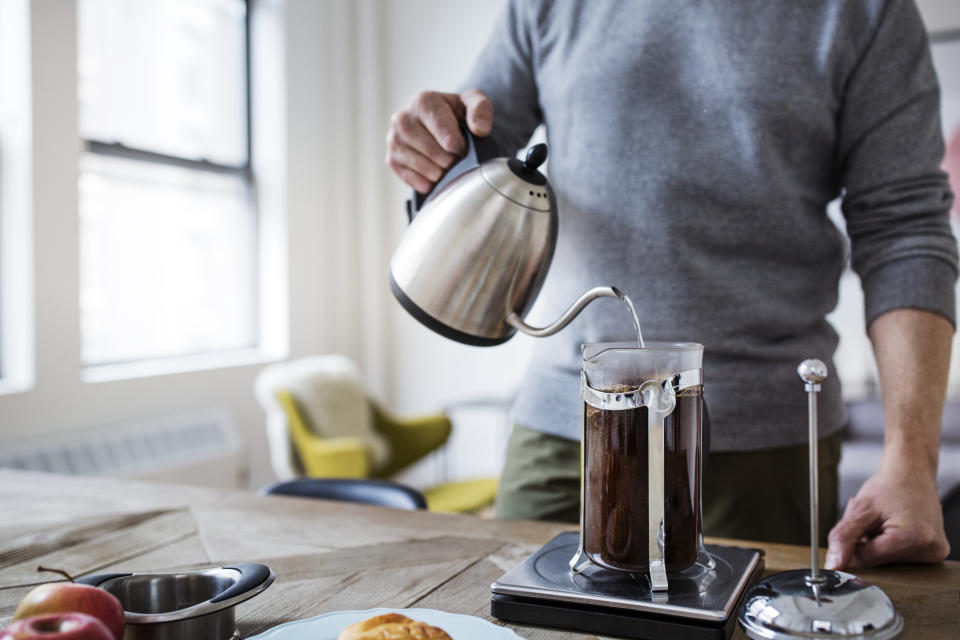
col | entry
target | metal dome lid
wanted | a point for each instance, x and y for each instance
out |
(521, 182)
(788, 605)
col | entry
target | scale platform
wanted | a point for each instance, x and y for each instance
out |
(701, 603)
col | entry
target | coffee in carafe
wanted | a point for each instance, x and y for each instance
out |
(642, 413)
(615, 458)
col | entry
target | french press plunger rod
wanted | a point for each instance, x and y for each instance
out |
(813, 372)
(818, 604)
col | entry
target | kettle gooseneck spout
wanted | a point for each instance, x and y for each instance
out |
(515, 321)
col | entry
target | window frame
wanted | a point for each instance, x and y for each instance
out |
(215, 357)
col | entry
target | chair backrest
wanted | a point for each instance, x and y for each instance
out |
(382, 493)
(331, 401)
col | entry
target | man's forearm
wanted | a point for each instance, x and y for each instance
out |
(896, 514)
(912, 350)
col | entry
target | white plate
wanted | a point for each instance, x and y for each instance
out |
(329, 625)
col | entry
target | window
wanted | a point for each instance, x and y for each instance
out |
(168, 225)
(945, 46)
(16, 246)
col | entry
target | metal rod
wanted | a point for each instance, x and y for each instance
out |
(660, 400)
(813, 372)
(655, 500)
(812, 390)
(580, 561)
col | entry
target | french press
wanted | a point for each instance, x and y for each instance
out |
(641, 458)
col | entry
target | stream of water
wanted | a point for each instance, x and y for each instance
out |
(636, 321)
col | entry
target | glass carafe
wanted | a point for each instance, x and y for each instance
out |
(641, 457)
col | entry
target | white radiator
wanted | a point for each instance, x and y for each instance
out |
(199, 447)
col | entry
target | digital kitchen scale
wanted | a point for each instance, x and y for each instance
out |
(701, 602)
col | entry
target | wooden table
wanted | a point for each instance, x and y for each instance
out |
(328, 556)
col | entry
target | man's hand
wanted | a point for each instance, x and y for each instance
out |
(425, 140)
(895, 517)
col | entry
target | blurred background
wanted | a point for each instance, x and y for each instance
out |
(193, 190)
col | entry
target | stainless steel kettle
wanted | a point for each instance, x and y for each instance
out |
(479, 246)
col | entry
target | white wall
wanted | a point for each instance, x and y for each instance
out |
(940, 15)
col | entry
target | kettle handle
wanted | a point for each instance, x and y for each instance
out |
(478, 150)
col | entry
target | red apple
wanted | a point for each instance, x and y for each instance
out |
(58, 626)
(61, 597)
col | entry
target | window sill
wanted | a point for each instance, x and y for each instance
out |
(172, 366)
(11, 386)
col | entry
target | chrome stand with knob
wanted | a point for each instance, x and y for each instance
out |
(813, 372)
(818, 604)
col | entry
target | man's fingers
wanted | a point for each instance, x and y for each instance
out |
(858, 519)
(407, 130)
(901, 544)
(411, 177)
(401, 155)
(892, 545)
(411, 166)
(479, 113)
(440, 114)
(425, 139)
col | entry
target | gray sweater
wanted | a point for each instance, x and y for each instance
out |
(694, 147)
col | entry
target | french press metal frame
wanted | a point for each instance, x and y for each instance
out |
(659, 396)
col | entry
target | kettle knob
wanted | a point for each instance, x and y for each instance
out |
(535, 156)
(527, 170)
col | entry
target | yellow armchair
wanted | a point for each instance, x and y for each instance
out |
(410, 439)
(343, 457)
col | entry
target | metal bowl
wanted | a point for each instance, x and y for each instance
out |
(190, 605)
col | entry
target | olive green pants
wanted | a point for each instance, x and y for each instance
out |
(751, 495)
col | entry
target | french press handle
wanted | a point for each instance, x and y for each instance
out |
(479, 150)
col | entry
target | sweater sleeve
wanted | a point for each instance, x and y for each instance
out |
(897, 200)
(505, 71)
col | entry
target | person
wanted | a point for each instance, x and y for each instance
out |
(693, 150)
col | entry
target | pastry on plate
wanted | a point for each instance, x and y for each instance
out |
(392, 626)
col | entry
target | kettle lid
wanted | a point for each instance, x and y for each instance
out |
(527, 170)
(531, 190)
